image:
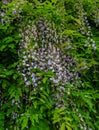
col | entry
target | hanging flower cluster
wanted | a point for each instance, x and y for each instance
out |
(15, 12)
(95, 13)
(38, 49)
(85, 26)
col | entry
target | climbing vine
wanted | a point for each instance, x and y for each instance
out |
(49, 67)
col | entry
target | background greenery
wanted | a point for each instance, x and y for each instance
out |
(38, 112)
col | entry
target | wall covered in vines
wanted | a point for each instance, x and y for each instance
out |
(49, 64)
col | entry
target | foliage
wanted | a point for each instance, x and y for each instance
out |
(22, 107)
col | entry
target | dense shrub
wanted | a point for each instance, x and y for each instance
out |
(49, 72)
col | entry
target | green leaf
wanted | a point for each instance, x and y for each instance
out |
(49, 74)
(35, 104)
(42, 100)
(24, 122)
(56, 120)
(12, 46)
(8, 40)
(39, 74)
(67, 119)
(10, 72)
(3, 47)
(62, 126)
(45, 79)
(68, 126)
(71, 33)
(4, 84)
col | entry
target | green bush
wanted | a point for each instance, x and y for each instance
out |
(43, 102)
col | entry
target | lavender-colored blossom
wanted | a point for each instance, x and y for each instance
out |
(27, 83)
